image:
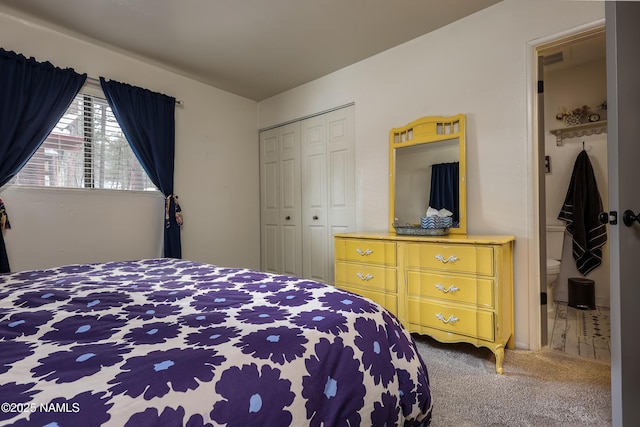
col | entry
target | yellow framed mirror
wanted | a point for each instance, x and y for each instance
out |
(416, 150)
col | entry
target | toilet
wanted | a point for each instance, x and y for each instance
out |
(555, 243)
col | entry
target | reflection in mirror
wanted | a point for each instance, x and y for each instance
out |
(428, 170)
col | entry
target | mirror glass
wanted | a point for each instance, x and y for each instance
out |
(428, 169)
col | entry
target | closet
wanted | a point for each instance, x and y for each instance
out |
(307, 193)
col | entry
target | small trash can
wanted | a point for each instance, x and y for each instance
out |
(582, 294)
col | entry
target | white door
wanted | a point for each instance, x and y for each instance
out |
(290, 203)
(270, 254)
(623, 100)
(280, 223)
(314, 199)
(341, 177)
(328, 188)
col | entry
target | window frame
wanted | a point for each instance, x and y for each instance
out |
(89, 92)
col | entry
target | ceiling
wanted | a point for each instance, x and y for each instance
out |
(252, 48)
(575, 51)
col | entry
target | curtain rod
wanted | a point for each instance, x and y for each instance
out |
(96, 82)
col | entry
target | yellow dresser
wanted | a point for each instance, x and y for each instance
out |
(456, 288)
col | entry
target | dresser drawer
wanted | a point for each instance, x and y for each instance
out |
(388, 301)
(367, 276)
(461, 289)
(366, 251)
(451, 318)
(454, 258)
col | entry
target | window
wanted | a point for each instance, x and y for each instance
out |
(86, 149)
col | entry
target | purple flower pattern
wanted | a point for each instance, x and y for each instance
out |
(386, 412)
(85, 409)
(403, 345)
(276, 344)
(290, 298)
(262, 314)
(168, 417)
(97, 301)
(345, 301)
(85, 328)
(151, 311)
(15, 393)
(252, 397)
(213, 336)
(42, 297)
(323, 321)
(153, 333)
(158, 372)
(197, 320)
(11, 352)
(79, 361)
(373, 342)
(334, 376)
(255, 348)
(23, 324)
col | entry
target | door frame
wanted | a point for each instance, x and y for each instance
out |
(536, 221)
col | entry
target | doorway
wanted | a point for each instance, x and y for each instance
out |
(573, 117)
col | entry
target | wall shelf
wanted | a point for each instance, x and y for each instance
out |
(584, 129)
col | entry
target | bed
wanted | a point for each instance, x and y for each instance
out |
(167, 342)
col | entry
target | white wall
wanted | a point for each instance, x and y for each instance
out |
(572, 88)
(480, 66)
(216, 172)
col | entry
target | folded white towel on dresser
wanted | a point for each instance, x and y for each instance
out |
(431, 212)
(442, 213)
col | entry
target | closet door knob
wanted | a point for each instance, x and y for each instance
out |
(315, 217)
(628, 217)
(288, 218)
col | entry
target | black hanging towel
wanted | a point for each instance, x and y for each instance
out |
(580, 212)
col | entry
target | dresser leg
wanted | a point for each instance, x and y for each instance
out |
(511, 344)
(499, 352)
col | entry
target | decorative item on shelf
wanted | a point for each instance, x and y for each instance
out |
(572, 120)
(434, 223)
(574, 117)
(435, 218)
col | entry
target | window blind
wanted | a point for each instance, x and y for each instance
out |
(86, 149)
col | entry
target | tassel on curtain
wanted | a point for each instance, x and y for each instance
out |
(33, 97)
(148, 121)
(445, 189)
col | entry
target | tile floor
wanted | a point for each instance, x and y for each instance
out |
(583, 333)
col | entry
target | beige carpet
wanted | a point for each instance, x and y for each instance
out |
(545, 388)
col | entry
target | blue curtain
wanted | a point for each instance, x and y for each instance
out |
(148, 121)
(33, 97)
(445, 189)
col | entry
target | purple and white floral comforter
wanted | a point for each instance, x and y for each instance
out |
(168, 342)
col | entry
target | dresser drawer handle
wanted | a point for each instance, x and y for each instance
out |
(363, 277)
(451, 288)
(451, 319)
(365, 252)
(452, 258)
